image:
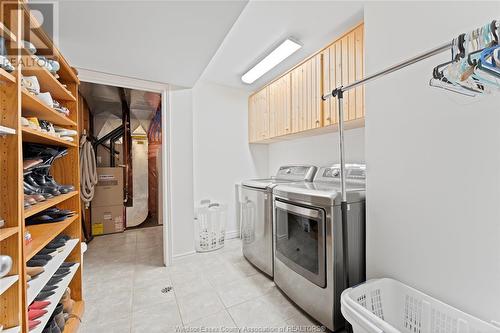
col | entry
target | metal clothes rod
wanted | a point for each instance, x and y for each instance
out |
(393, 68)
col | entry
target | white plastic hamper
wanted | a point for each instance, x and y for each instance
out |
(387, 305)
(210, 226)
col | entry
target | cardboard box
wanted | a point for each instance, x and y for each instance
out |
(109, 189)
(107, 220)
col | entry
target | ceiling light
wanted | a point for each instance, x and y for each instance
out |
(286, 49)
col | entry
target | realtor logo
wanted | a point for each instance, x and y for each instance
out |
(37, 29)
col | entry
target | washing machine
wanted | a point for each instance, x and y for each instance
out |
(308, 255)
(256, 213)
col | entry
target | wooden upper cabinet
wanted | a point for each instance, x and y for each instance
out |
(306, 95)
(343, 64)
(279, 107)
(292, 103)
(258, 116)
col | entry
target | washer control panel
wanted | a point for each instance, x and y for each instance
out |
(296, 172)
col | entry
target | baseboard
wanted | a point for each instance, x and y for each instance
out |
(232, 234)
(182, 255)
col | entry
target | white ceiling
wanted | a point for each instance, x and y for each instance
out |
(177, 42)
(163, 41)
(265, 24)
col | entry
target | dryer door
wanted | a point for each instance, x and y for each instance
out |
(300, 240)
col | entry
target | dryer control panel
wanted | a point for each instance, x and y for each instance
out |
(354, 172)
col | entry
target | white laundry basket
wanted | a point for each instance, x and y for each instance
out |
(210, 226)
(389, 306)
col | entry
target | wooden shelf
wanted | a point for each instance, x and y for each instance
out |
(7, 282)
(7, 130)
(16, 329)
(6, 76)
(34, 136)
(7, 232)
(42, 234)
(48, 82)
(73, 322)
(48, 203)
(33, 107)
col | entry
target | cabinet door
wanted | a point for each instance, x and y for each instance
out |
(306, 89)
(258, 116)
(279, 107)
(343, 64)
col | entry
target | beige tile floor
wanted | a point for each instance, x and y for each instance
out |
(211, 292)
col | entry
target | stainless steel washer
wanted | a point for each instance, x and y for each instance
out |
(256, 209)
(308, 241)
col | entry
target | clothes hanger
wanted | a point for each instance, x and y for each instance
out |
(451, 87)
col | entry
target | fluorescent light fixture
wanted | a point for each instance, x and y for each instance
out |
(286, 49)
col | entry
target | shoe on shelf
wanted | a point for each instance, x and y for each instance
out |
(50, 252)
(33, 272)
(29, 163)
(36, 263)
(49, 288)
(5, 265)
(54, 281)
(36, 313)
(68, 264)
(51, 327)
(33, 324)
(58, 316)
(42, 296)
(38, 305)
(67, 302)
(42, 257)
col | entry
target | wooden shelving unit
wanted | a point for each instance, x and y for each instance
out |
(34, 136)
(16, 102)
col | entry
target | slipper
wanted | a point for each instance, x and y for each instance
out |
(49, 288)
(39, 305)
(33, 323)
(36, 263)
(42, 296)
(35, 313)
(34, 271)
(42, 257)
(68, 264)
(54, 281)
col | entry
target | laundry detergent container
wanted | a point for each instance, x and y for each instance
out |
(389, 306)
(210, 226)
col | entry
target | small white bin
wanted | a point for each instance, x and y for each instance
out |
(210, 226)
(389, 306)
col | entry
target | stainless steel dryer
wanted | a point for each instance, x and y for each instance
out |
(308, 241)
(256, 209)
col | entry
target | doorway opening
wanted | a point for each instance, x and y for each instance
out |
(125, 126)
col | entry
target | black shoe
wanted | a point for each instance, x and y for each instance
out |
(30, 180)
(68, 264)
(36, 263)
(42, 257)
(30, 190)
(49, 288)
(54, 281)
(44, 295)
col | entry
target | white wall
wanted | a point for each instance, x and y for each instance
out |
(433, 215)
(319, 150)
(222, 155)
(181, 170)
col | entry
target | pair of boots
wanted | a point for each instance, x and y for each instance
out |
(39, 184)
